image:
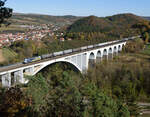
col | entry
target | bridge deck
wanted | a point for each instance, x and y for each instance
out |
(8, 68)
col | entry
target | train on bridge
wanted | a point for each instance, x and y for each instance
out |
(60, 53)
(78, 57)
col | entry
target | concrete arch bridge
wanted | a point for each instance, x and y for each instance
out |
(9, 75)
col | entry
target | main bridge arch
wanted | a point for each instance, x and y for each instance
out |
(60, 61)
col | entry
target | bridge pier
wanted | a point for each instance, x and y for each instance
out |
(29, 71)
(92, 59)
(110, 56)
(105, 57)
(84, 62)
(19, 77)
(120, 48)
(32, 70)
(79, 61)
(6, 80)
(98, 59)
(116, 53)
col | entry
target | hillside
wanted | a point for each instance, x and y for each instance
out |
(19, 18)
(115, 26)
(89, 24)
(103, 24)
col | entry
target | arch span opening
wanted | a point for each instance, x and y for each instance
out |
(99, 56)
(110, 53)
(115, 49)
(105, 54)
(56, 72)
(92, 56)
(63, 64)
(91, 59)
(119, 48)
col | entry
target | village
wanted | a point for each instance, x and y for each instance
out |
(33, 32)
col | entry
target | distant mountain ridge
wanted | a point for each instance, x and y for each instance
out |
(22, 18)
(32, 18)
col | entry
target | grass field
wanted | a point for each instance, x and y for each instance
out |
(12, 28)
(8, 54)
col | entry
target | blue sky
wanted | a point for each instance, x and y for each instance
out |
(81, 7)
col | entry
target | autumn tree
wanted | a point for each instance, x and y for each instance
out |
(13, 103)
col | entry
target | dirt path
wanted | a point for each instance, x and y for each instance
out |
(1, 56)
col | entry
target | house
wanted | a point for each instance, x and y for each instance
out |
(62, 39)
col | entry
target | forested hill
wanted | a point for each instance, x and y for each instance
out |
(100, 24)
(20, 18)
(114, 26)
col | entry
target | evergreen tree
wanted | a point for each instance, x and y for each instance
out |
(5, 13)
